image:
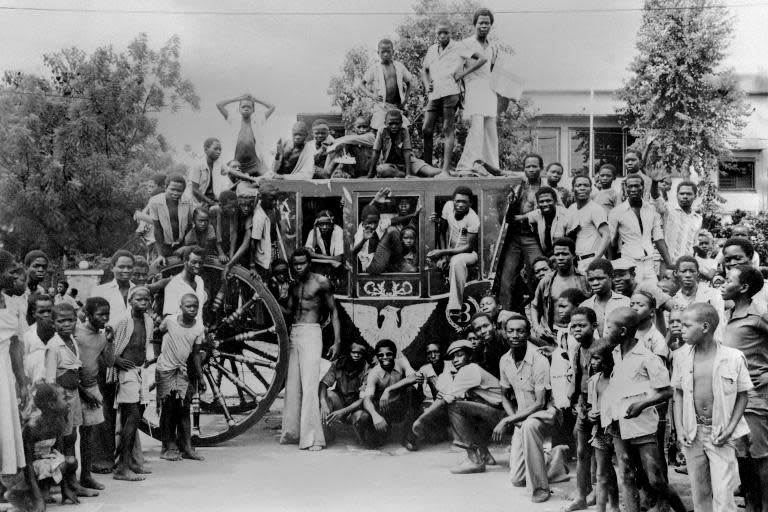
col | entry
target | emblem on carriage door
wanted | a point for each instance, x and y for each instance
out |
(401, 325)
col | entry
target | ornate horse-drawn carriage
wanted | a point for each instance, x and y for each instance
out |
(245, 367)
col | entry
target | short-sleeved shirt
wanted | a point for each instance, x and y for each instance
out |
(392, 147)
(459, 229)
(178, 342)
(707, 295)
(64, 357)
(525, 380)
(430, 376)
(347, 381)
(616, 301)
(680, 229)
(636, 375)
(636, 241)
(655, 342)
(442, 63)
(608, 199)
(729, 377)
(748, 332)
(378, 379)
(589, 218)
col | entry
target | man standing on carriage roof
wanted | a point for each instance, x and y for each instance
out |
(310, 293)
(249, 148)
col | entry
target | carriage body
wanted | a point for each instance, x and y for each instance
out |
(246, 360)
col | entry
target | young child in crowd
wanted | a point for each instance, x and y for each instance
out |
(389, 84)
(92, 343)
(201, 233)
(183, 337)
(711, 382)
(553, 175)
(126, 356)
(644, 304)
(607, 194)
(392, 149)
(601, 367)
(410, 261)
(583, 323)
(62, 364)
(279, 284)
(37, 336)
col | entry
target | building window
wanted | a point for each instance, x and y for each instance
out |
(737, 176)
(610, 146)
(543, 141)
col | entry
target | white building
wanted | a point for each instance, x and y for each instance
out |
(564, 118)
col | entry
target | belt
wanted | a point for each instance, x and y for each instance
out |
(701, 420)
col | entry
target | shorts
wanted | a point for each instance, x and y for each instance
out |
(601, 440)
(754, 445)
(132, 387)
(169, 381)
(93, 414)
(74, 410)
(447, 104)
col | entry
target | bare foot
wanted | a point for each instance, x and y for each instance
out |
(88, 482)
(101, 470)
(192, 455)
(578, 504)
(314, 448)
(171, 455)
(82, 491)
(68, 494)
(127, 475)
(140, 470)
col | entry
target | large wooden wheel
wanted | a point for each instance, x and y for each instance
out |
(245, 356)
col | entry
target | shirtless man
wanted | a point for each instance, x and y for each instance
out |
(521, 244)
(389, 84)
(246, 152)
(309, 294)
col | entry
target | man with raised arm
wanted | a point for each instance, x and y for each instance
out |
(309, 293)
(249, 150)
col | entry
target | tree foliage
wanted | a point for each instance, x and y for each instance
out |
(414, 36)
(680, 103)
(79, 144)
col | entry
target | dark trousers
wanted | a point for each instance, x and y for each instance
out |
(403, 409)
(520, 249)
(472, 423)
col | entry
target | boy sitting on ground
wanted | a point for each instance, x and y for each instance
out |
(183, 337)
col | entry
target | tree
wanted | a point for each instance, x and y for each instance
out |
(679, 102)
(79, 144)
(414, 36)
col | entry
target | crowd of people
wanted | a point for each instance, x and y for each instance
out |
(640, 341)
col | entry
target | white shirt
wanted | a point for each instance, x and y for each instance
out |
(442, 63)
(459, 229)
(176, 289)
(111, 293)
(589, 217)
(636, 243)
(708, 295)
(34, 355)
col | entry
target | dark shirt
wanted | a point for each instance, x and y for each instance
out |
(488, 355)
(290, 159)
(348, 380)
(173, 213)
(392, 146)
(245, 149)
(136, 351)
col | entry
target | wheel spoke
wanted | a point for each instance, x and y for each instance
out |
(218, 396)
(259, 376)
(255, 350)
(248, 361)
(235, 380)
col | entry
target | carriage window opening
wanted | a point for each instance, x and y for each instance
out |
(387, 235)
(323, 234)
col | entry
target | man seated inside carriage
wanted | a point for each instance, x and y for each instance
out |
(458, 226)
(326, 246)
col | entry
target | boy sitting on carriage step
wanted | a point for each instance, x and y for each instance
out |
(393, 155)
(183, 337)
